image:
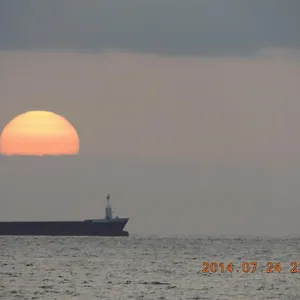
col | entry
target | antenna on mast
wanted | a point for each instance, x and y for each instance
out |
(108, 211)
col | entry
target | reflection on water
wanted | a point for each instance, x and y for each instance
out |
(146, 268)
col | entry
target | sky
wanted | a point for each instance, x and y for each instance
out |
(187, 112)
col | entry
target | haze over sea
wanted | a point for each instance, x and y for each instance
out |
(146, 267)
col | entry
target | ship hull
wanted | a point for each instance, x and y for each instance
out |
(101, 227)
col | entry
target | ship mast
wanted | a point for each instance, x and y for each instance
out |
(108, 210)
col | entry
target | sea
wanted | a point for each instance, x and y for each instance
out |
(149, 267)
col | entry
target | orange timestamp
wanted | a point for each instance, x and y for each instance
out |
(247, 267)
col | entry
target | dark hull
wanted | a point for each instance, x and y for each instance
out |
(66, 228)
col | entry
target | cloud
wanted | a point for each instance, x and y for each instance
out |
(164, 27)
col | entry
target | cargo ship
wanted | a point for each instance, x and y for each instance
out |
(109, 226)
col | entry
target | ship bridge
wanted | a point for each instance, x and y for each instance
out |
(109, 215)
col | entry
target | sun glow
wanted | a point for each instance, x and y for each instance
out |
(39, 133)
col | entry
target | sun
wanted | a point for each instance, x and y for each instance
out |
(39, 133)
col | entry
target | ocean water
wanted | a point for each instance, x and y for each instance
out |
(148, 267)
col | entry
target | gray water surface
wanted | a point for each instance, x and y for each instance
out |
(146, 267)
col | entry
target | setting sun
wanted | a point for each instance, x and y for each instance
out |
(39, 133)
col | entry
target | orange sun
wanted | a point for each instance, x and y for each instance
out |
(39, 133)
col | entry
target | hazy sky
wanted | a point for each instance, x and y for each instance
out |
(203, 142)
